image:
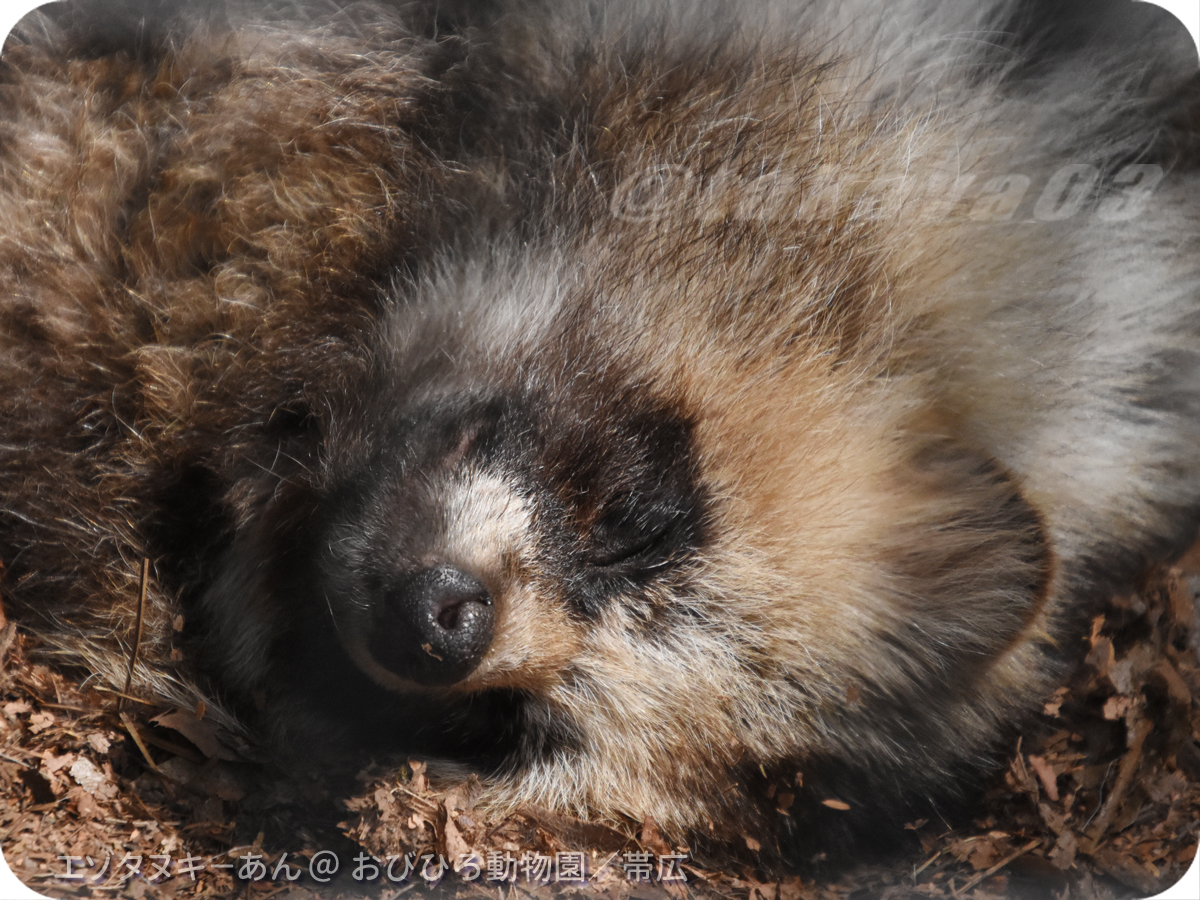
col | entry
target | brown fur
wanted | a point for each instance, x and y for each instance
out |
(169, 229)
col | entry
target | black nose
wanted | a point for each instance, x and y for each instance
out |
(433, 627)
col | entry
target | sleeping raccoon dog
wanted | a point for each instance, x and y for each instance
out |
(638, 404)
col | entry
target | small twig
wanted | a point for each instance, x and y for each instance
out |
(69, 708)
(1129, 764)
(988, 873)
(1099, 796)
(925, 865)
(137, 739)
(19, 762)
(422, 800)
(137, 636)
(133, 698)
(172, 747)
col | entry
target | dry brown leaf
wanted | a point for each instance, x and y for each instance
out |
(984, 854)
(419, 783)
(1168, 676)
(452, 844)
(1053, 706)
(651, 838)
(1046, 775)
(1101, 656)
(459, 798)
(85, 806)
(204, 733)
(1063, 854)
(1116, 707)
(52, 763)
(1181, 604)
(99, 742)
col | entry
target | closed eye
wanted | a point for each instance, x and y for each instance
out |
(607, 556)
(629, 541)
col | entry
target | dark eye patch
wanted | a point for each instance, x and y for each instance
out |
(631, 549)
(633, 537)
(613, 476)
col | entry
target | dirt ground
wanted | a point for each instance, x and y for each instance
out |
(1100, 799)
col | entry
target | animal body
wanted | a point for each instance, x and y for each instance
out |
(636, 404)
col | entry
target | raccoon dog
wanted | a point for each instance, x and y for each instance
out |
(635, 403)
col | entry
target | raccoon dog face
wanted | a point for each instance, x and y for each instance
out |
(617, 583)
(483, 509)
(474, 543)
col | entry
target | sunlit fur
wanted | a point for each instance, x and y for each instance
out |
(749, 261)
